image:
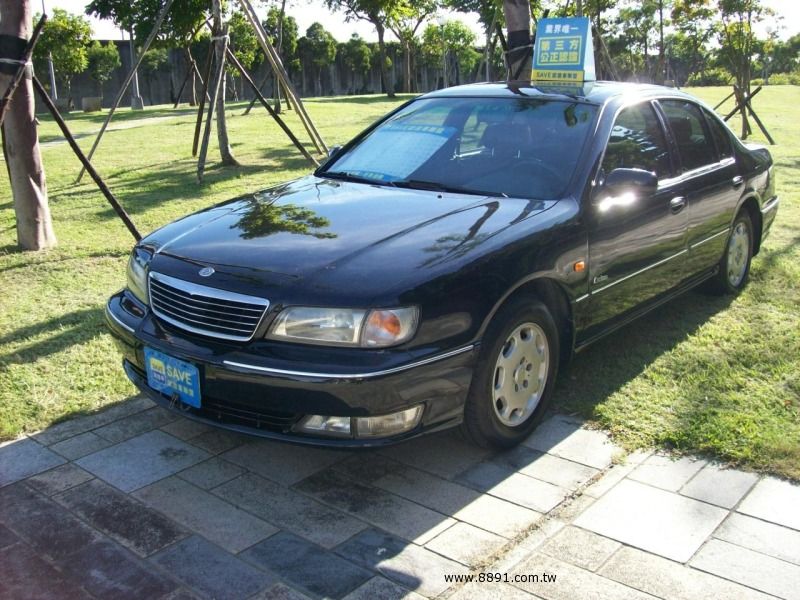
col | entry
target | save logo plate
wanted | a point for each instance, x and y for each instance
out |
(171, 376)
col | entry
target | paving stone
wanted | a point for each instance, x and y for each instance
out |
(125, 429)
(107, 570)
(25, 457)
(217, 441)
(211, 473)
(581, 548)
(490, 591)
(59, 479)
(565, 438)
(608, 480)
(377, 506)
(379, 588)
(667, 579)
(573, 507)
(774, 500)
(184, 429)
(307, 566)
(520, 551)
(445, 454)
(366, 468)
(67, 429)
(467, 544)
(211, 571)
(409, 565)
(761, 536)
(571, 582)
(514, 487)
(181, 594)
(561, 472)
(723, 487)
(290, 510)
(28, 577)
(80, 445)
(197, 510)
(7, 537)
(756, 570)
(666, 472)
(661, 522)
(283, 463)
(132, 524)
(142, 460)
(279, 592)
(458, 501)
(43, 524)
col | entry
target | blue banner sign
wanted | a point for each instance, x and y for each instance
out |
(563, 51)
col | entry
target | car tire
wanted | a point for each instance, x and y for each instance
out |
(515, 375)
(734, 266)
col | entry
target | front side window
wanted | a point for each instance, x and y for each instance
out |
(516, 147)
(637, 142)
(687, 123)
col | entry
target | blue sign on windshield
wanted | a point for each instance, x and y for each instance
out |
(564, 51)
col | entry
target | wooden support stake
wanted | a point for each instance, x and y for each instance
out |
(724, 100)
(220, 73)
(246, 76)
(203, 98)
(127, 82)
(739, 107)
(23, 67)
(189, 73)
(254, 100)
(85, 161)
(277, 66)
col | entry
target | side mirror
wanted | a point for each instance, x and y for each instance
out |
(332, 151)
(638, 181)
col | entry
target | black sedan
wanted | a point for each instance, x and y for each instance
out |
(440, 267)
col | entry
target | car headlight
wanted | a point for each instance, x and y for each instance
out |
(137, 273)
(346, 326)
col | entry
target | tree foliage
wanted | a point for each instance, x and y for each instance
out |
(102, 59)
(66, 37)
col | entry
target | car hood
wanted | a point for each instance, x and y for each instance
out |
(314, 224)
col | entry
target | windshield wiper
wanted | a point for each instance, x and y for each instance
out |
(418, 184)
(354, 178)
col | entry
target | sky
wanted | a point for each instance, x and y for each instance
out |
(308, 11)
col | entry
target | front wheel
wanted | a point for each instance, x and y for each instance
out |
(515, 376)
(734, 267)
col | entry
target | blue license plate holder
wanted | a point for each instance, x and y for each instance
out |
(171, 376)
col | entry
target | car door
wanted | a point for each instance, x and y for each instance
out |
(709, 177)
(637, 245)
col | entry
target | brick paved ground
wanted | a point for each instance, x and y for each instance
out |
(135, 502)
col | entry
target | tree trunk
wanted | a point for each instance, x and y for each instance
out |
(518, 21)
(21, 143)
(279, 49)
(225, 152)
(385, 83)
(407, 66)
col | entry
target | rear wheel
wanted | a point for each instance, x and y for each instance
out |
(515, 375)
(734, 267)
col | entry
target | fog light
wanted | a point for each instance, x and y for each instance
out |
(386, 425)
(330, 425)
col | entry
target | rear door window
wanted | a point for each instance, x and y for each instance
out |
(695, 146)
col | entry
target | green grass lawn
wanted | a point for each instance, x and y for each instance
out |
(712, 376)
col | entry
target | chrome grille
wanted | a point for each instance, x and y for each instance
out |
(205, 310)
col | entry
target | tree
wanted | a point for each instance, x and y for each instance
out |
(66, 37)
(103, 59)
(154, 61)
(489, 15)
(737, 39)
(377, 12)
(404, 23)
(21, 142)
(518, 19)
(244, 43)
(356, 56)
(318, 48)
(458, 40)
(694, 30)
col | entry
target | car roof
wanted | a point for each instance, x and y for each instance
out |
(594, 92)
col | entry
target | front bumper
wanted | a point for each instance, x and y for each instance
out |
(265, 388)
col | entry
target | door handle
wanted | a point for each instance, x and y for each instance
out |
(737, 181)
(677, 204)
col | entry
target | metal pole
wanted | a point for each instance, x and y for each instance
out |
(136, 100)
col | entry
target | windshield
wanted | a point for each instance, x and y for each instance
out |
(520, 147)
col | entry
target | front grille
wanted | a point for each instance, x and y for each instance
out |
(205, 310)
(235, 414)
